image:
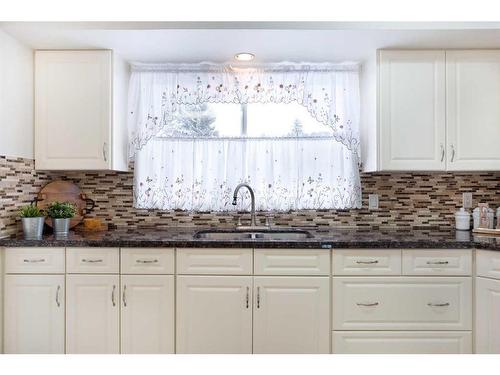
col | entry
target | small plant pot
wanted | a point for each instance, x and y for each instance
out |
(33, 227)
(61, 227)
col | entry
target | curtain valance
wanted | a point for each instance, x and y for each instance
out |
(330, 92)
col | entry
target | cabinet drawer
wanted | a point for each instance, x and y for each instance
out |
(291, 262)
(488, 263)
(366, 262)
(147, 261)
(34, 260)
(402, 303)
(353, 342)
(437, 262)
(93, 260)
(214, 261)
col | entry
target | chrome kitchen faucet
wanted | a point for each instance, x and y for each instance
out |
(253, 221)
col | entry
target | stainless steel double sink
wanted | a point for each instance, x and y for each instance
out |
(238, 234)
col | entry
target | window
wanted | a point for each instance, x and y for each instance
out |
(290, 132)
(245, 120)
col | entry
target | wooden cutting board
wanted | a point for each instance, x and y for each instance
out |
(65, 191)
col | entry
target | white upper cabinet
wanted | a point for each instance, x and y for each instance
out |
(80, 110)
(412, 110)
(473, 110)
(438, 110)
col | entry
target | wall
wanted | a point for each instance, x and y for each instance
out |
(368, 116)
(407, 200)
(16, 131)
(16, 98)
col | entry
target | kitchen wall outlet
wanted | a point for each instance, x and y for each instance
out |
(467, 200)
(373, 201)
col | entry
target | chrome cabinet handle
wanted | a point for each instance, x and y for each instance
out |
(367, 304)
(34, 260)
(123, 296)
(57, 296)
(248, 297)
(442, 153)
(452, 153)
(146, 261)
(104, 149)
(113, 296)
(438, 304)
(258, 297)
(438, 262)
(92, 260)
(367, 261)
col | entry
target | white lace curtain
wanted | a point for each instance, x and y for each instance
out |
(286, 174)
(200, 174)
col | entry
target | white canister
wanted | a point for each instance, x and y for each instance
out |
(462, 219)
(491, 217)
(498, 216)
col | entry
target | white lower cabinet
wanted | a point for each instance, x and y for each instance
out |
(402, 303)
(487, 316)
(291, 315)
(34, 314)
(403, 342)
(92, 314)
(214, 314)
(147, 314)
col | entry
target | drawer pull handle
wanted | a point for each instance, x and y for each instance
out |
(258, 297)
(248, 297)
(146, 261)
(57, 296)
(438, 304)
(367, 304)
(34, 260)
(92, 260)
(437, 262)
(113, 296)
(367, 261)
(124, 297)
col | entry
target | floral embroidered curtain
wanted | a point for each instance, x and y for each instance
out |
(176, 170)
(286, 174)
(330, 92)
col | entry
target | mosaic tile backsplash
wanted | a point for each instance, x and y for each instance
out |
(406, 200)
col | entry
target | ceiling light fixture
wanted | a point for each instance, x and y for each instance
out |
(244, 56)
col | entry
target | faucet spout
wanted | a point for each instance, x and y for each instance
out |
(253, 221)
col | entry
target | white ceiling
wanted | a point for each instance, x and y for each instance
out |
(270, 42)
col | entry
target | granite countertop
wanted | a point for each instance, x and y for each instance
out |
(322, 238)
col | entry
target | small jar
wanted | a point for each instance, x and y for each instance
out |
(462, 219)
(491, 217)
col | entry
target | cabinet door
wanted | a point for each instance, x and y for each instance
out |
(473, 111)
(214, 314)
(93, 314)
(34, 314)
(291, 315)
(73, 109)
(487, 316)
(147, 312)
(412, 110)
(401, 342)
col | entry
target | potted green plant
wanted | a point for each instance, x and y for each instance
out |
(61, 214)
(32, 218)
